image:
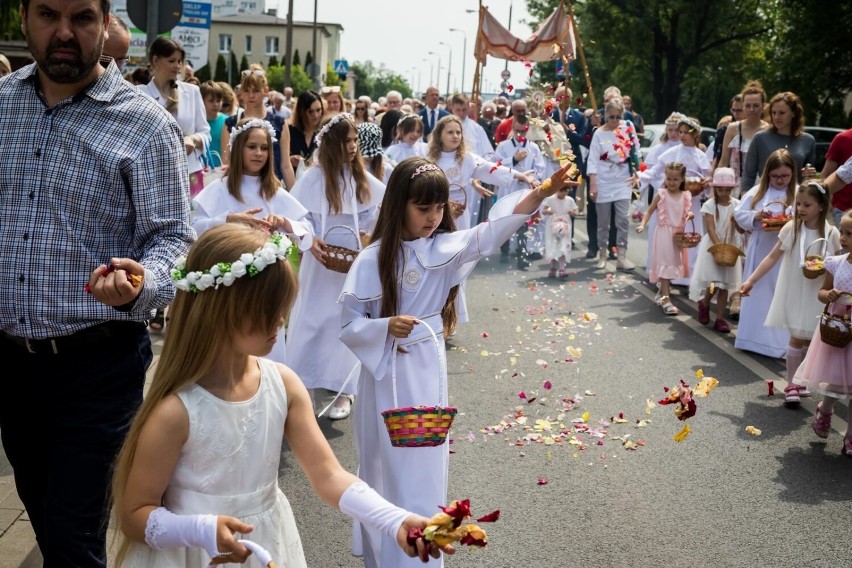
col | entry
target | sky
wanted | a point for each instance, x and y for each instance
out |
(402, 37)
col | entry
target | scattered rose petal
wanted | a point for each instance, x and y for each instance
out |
(485, 334)
(753, 431)
(490, 517)
(771, 386)
(590, 393)
(542, 481)
(495, 166)
(547, 385)
(522, 395)
(541, 363)
(681, 436)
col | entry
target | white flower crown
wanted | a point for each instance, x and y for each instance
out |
(334, 120)
(253, 123)
(225, 273)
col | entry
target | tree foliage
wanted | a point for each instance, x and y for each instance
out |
(244, 63)
(297, 59)
(10, 21)
(331, 78)
(203, 74)
(693, 56)
(298, 78)
(375, 81)
(221, 73)
(273, 62)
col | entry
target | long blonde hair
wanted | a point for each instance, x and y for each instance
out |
(269, 184)
(201, 324)
(435, 147)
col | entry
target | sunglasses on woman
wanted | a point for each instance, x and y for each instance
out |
(255, 72)
(329, 90)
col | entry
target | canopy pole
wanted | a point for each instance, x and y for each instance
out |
(582, 54)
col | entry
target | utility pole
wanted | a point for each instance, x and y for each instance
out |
(464, 53)
(449, 65)
(315, 65)
(509, 29)
(289, 46)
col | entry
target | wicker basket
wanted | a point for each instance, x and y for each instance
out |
(775, 223)
(694, 186)
(687, 239)
(725, 253)
(835, 330)
(457, 208)
(419, 426)
(812, 264)
(338, 258)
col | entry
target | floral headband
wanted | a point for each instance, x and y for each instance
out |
(425, 168)
(690, 122)
(253, 123)
(334, 120)
(224, 273)
(674, 118)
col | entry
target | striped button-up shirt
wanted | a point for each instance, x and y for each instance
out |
(100, 175)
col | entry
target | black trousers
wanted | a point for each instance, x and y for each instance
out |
(592, 224)
(62, 422)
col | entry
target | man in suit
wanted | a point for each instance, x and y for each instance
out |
(431, 114)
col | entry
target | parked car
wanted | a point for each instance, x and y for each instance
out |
(653, 132)
(823, 135)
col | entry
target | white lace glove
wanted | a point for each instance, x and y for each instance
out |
(164, 529)
(362, 503)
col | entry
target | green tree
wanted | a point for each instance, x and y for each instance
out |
(375, 81)
(234, 72)
(203, 74)
(275, 77)
(297, 59)
(273, 62)
(308, 60)
(300, 80)
(221, 73)
(331, 78)
(10, 21)
(244, 63)
(668, 54)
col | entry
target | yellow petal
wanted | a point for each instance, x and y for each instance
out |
(681, 436)
(753, 431)
(649, 405)
(585, 417)
(575, 352)
(513, 361)
(484, 353)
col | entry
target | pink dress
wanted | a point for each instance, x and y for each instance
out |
(670, 261)
(826, 369)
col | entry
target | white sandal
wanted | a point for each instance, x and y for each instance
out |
(668, 308)
(341, 412)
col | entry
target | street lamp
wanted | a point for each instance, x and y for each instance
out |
(464, 53)
(438, 74)
(449, 65)
(431, 69)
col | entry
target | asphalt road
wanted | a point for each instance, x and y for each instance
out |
(720, 498)
(621, 494)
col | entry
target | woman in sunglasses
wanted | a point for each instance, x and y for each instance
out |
(361, 112)
(611, 178)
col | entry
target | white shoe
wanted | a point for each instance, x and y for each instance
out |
(343, 410)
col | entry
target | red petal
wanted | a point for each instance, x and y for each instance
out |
(413, 534)
(490, 517)
(542, 481)
(548, 385)
(470, 541)
(522, 394)
(510, 88)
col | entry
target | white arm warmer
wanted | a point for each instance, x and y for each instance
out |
(362, 503)
(164, 529)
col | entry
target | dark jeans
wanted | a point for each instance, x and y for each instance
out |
(62, 421)
(522, 242)
(592, 224)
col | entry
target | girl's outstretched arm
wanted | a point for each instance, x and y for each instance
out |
(335, 485)
(762, 268)
(532, 201)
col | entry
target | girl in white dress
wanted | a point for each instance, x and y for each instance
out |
(827, 369)
(776, 191)
(559, 212)
(410, 140)
(709, 278)
(399, 292)
(697, 167)
(795, 306)
(200, 463)
(448, 149)
(251, 194)
(342, 200)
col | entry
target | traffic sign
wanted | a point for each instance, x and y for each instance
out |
(341, 67)
(168, 14)
(505, 74)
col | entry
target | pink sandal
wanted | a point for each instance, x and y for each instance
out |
(846, 450)
(821, 426)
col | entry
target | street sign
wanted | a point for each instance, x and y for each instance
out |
(341, 67)
(505, 74)
(169, 14)
(504, 85)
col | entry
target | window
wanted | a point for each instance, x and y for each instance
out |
(271, 45)
(248, 44)
(224, 43)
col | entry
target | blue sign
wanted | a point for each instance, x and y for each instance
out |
(341, 67)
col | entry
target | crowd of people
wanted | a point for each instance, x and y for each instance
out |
(254, 226)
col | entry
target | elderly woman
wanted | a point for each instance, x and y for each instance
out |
(787, 131)
(611, 178)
